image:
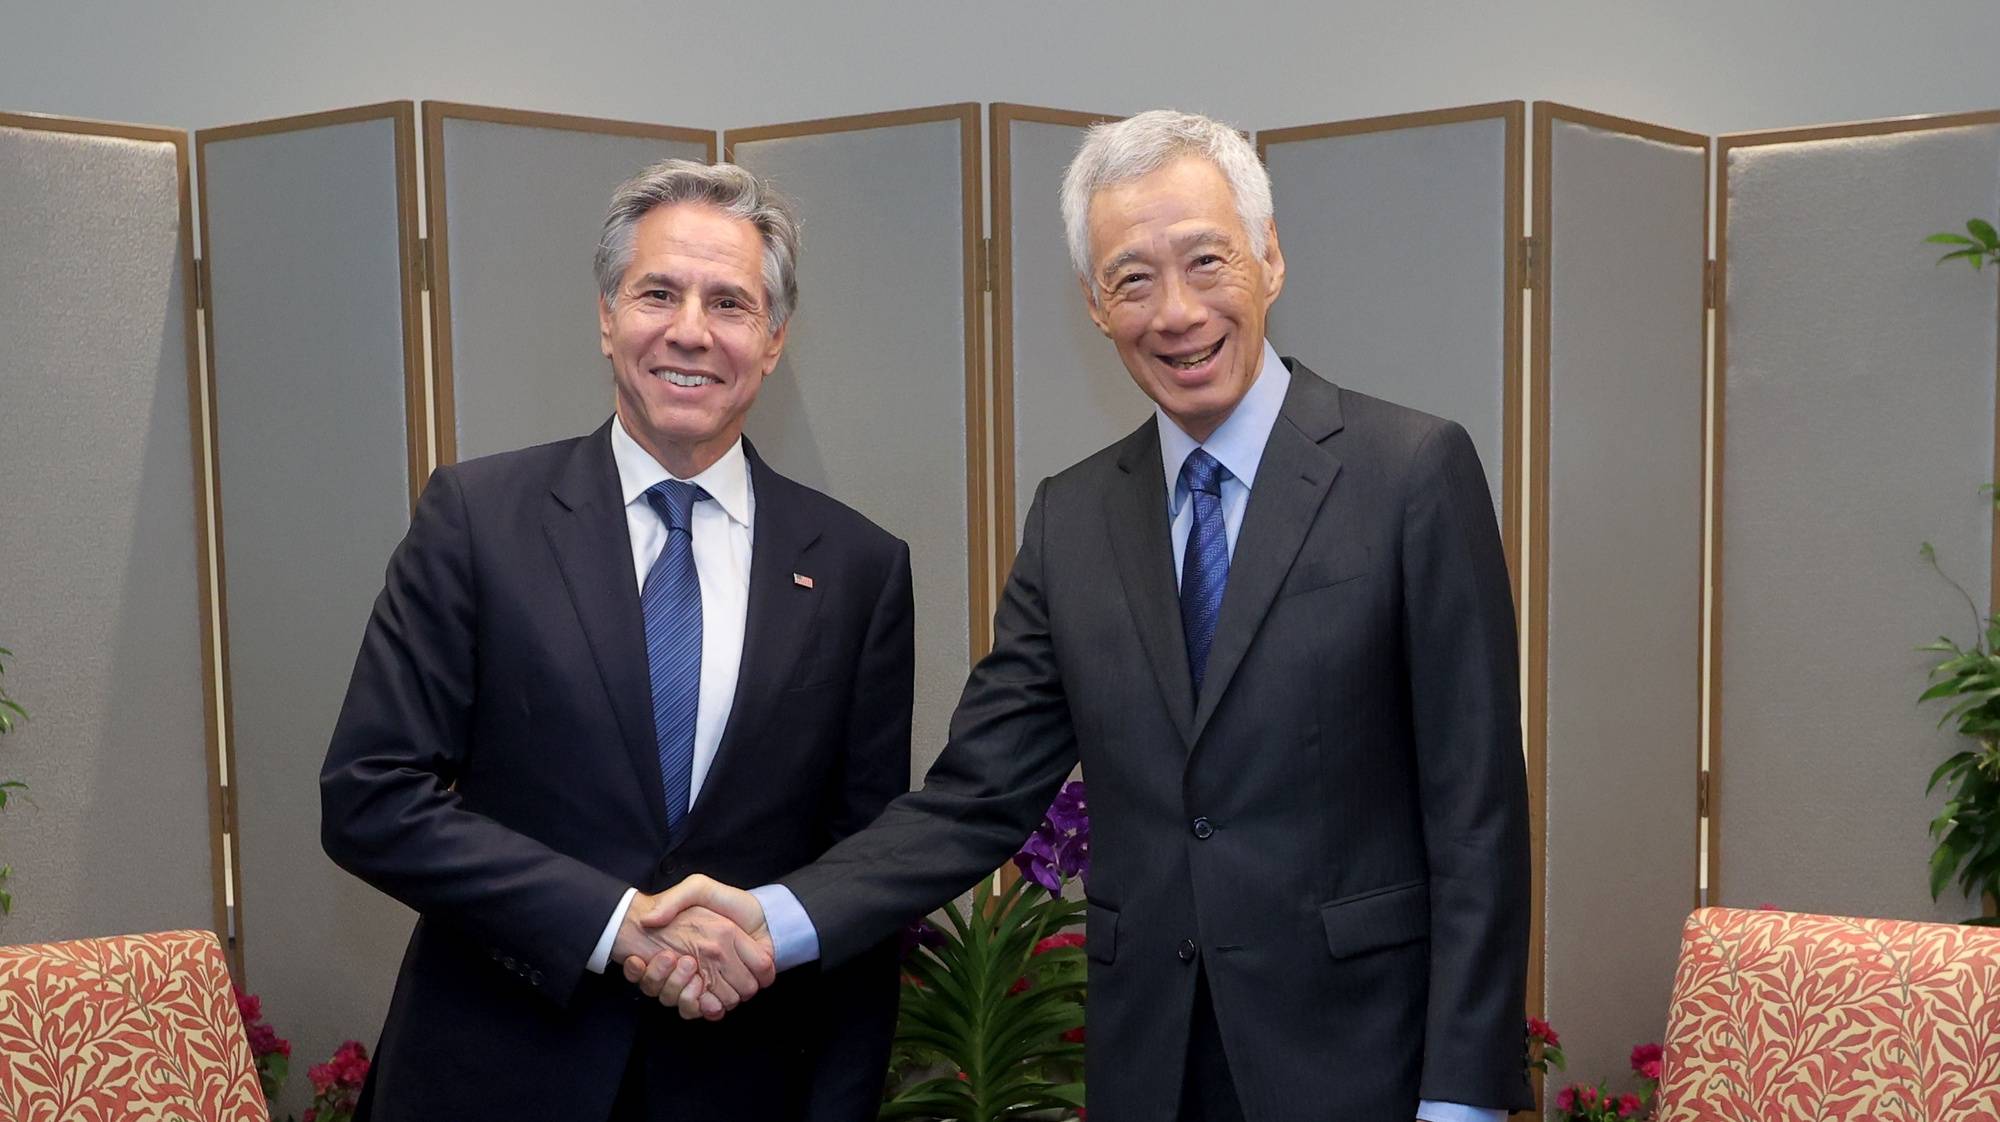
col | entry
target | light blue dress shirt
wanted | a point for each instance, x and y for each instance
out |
(1238, 444)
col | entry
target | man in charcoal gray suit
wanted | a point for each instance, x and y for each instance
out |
(1274, 624)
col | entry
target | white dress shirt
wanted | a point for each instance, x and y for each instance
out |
(722, 528)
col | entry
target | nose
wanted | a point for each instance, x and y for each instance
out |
(1179, 310)
(688, 329)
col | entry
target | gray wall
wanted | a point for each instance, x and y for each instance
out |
(1857, 404)
(1707, 65)
(1626, 239)
(306, 322)
(100, 597)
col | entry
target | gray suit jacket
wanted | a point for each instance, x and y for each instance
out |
(1335, 828)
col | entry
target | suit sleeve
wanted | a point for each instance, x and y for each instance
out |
(388, 810)
(1010, 747)
(1464, 693)
(850, 1057)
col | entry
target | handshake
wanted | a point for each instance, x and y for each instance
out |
(700, 946)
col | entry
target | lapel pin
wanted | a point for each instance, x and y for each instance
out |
(802, 580)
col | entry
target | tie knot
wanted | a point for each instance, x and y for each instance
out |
(1203, 473)
(674, 501)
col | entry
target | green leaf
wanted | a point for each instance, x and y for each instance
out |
(1983, 230)
(1956, 763)
(1974, 254)
(1949, 239)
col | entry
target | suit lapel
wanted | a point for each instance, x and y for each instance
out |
(778, 624)
(1143, 545)
(586, 528)
(1292, 481)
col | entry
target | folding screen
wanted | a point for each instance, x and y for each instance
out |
(105, 602)
(1400, 237)
(1855, 419)
(1059, 391)
(516, 203)
(1615, 568)
(878, 401)
(309, 232)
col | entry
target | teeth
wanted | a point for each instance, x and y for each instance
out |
(687, 380)
(1192, 361)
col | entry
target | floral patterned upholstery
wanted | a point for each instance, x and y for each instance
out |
(129, 1027)
(1778, 1016)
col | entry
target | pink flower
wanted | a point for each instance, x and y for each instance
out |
(1074, 1036)
(1651, 1070)
(1644, 1054)
(249, 1005)
(1541, 1030)
(1587, 1096)
(1628, 1105)
(1066, 939)
(1565, 1100)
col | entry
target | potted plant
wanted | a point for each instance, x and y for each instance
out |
(1967, 679)
(991, 1026)
(10, 713)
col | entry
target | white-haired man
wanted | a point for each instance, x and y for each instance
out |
(1274, 624)
(600, 665)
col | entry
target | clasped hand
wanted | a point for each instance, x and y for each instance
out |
(700, 947)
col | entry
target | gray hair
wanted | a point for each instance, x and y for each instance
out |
(1120, 151)
(729, 189)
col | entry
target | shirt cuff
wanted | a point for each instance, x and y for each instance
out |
(794, 939)
(1428, 1111)
(600, 957)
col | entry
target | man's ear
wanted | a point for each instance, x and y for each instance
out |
(603, 327)
(1091, 306)
(777, 348)
(1274, 264)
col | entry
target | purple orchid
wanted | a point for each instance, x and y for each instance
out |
(1060, 847)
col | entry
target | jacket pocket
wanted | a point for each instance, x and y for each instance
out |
(1385, 917)
(1100, 933)
(1315, 573)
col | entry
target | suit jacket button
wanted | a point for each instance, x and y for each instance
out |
(1187, 950)
(509, 963)
(1203, 828)
(534, 977)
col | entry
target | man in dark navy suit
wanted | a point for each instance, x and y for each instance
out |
(600, 665)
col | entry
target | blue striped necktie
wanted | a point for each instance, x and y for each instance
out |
(1205, 565)
(672, 602)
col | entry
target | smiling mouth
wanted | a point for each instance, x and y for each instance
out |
(683, 378)
(1195, 360)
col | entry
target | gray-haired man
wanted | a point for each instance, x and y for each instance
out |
(601, 665)
(1274, 624)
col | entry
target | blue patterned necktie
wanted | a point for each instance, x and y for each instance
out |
(1205, 565)
(672, 602)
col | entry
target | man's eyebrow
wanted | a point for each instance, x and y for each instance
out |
(1119, 262)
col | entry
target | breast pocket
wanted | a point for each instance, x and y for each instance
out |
(1315, 573)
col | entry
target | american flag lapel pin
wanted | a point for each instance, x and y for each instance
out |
(802, 580)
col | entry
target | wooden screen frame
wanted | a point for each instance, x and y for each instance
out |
(444, 437)
(402, 114)
(200, 422)
(1719, 384)
(1513, 115)
(1546, 114)
(978, 485)
(1001, 116)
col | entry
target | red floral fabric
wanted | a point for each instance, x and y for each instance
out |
(1782, 1017)
(129, 1027)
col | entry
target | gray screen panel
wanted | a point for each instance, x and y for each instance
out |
(312, 456)
(524, 207)
(868, 404)
(1858, 421)
(101, 601)
(1627, 240)
(1396, 269)
(1071, 394)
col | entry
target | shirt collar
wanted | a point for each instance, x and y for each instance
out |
(727, 480)
(1237, 443)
